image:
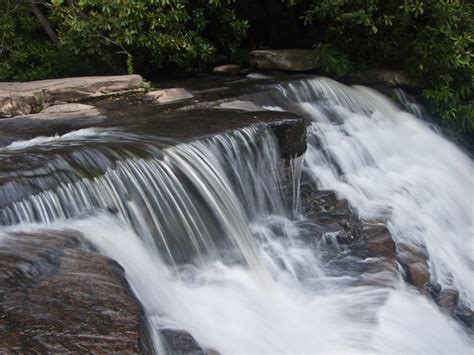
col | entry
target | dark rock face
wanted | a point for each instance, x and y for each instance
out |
(58, 297)
(384, 77)
(284, 59)
(466, 316)
(291, 137)
(369, 242)
(179, 341)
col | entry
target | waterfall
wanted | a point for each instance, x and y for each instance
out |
(210, 245)
(394, 167)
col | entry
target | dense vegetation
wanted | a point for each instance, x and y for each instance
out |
(430, 39)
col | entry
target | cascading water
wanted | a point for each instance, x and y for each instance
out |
(209, 245)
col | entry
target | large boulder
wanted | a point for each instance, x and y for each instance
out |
(57, 296)
(284, 59)
(19, 98)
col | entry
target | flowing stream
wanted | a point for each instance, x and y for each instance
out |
(210, 245)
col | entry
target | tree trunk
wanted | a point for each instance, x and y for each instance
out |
(44, 22)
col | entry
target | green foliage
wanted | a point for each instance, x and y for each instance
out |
(431, 39)
(115, 36)
(332, 61)
(25, 51)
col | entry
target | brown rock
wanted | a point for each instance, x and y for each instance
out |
(58, 297)
(379, 241)
(417, 274)
(447, 300)
(414, 260)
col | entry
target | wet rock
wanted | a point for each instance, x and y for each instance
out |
(178, 341)
(433, 289)
(447, 300)
(414, 260)
(168, 95)
(241, 105)
(418, 275)
(28, 97)
(56, 296)
(381, 273)
(227, 69)
(284, 59)
(291, 137)
(466, 316)
(379, 241)
(385, 77)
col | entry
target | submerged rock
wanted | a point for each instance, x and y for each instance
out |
(284, 59)
(58, 297)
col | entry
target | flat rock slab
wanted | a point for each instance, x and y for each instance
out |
(227, 69)
(241, 105)
(27, 97)
(168, 95)
(284, 59)
(56, 296)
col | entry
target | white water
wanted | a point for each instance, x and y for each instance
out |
(285, 299)
(394, 166)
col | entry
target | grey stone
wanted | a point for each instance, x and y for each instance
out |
(19, 98)
(227, 69)
(241, 105)
(65, 112)
(168, 95)
(284, 59)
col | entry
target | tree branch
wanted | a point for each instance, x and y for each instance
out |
(44, 22)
